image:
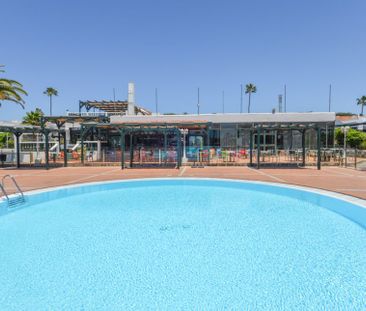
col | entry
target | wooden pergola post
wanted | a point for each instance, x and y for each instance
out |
(318, 143)
(208, 144)
(123, 147)
(303, 147)
(131, 149)
(258, 147)
(65, 150)
(251, 148)
(17, 135)
(165, 146)
(82, 145)
(179, 143)
(59, 139)
(46, 148)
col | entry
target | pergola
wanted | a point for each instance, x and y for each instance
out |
(18, 129)
(116, 107)
(165, 125)
(131, 128)
(302, 127)
(174, 126)
(60, 121)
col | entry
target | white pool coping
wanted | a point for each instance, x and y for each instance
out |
(340, 196)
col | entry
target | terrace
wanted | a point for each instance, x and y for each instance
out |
(257, 140)
(341, 180)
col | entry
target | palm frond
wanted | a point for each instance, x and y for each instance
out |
(250, 88)
(20, 90)
(11, 90)
(361, 100)
(9, 81)
(50, 91)
(33, 117)
(21, 102)
(8, 92)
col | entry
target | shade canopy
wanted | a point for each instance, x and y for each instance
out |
(116, 107)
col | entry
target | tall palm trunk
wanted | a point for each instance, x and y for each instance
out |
(250, 93)
(362, 105)
(50, 105)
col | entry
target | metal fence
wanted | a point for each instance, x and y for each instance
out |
(142, 156)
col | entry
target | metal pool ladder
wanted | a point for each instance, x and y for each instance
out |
(17, 198)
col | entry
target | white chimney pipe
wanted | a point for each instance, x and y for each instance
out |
(131, 98)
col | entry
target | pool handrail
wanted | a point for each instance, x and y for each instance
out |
(2, 186)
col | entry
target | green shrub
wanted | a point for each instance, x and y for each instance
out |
(6, 139)
(355, 139)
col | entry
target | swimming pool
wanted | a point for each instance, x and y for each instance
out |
(182, 244)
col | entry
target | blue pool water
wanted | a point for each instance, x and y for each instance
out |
(182, 245)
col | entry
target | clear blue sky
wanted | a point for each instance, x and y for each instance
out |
(87, 48)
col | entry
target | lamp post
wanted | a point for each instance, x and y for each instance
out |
(184, 132)
(345, 130)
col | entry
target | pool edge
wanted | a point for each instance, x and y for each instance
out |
(332, 194)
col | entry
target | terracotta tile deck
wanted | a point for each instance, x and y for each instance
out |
(346, 181)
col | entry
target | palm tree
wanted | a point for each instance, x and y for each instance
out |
(33, 117)
(11, 90)
(50, 91)
(249, 89)
(362, 102)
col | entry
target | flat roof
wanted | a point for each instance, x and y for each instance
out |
(358, 120)
(17, 126)
(249, 118)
